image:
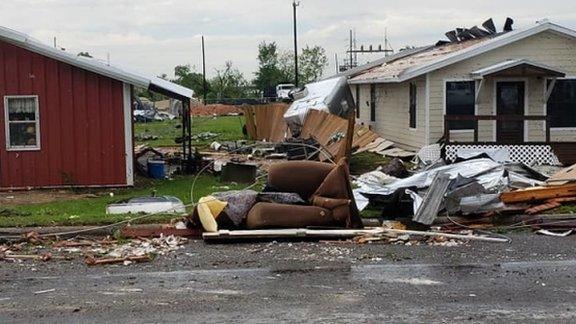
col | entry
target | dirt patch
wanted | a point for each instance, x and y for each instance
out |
(39, 197)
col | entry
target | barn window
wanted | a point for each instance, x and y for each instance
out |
(460, 101)
(562, 104)
(22, 122)
(413, 102)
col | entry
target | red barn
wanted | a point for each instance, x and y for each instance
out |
(66, 120)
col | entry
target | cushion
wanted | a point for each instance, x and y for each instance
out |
(301, 177)
(271, 215)
(208, 210)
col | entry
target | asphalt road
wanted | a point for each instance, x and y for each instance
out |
(530, 280)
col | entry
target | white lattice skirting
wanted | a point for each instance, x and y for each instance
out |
(527, 154)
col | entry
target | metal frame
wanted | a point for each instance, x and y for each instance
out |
(9, 147)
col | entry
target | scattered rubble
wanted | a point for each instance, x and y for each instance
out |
(94, 251)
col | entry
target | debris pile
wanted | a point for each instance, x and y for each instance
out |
(266, 123)
(94, 251)
(478, 192)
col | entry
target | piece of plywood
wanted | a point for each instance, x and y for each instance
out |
(397, 152)
(564, 176)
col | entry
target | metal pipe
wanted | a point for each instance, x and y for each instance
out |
(204, 85)
(294, 5)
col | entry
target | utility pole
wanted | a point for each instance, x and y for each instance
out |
(351, 50)
(294, 5)
(204, 85)
(55, 45)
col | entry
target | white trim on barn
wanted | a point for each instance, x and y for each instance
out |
(128, 136)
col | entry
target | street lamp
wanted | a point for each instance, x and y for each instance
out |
(294, 5)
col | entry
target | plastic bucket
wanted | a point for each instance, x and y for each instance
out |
(156, 169)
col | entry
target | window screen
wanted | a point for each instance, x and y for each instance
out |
(562, 104)
(22, 125)
(413, 99)
(460, 100)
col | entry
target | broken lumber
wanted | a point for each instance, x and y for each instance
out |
(91, 261)
(538, 194)
(448, 235)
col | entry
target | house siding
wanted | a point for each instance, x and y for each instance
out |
(393, 112)
(548, 48)
(81, 124)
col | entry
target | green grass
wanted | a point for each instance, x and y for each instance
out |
(228, 128)
(92, 211)
(366, 161)
(564, 209)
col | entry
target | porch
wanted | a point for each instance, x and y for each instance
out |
(562, 147)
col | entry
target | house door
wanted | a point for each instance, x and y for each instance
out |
(510, 101)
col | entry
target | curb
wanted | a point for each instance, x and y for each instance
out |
(96, 230)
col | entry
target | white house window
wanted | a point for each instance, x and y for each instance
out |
(22, 122)
(562, 104)
(460, 100)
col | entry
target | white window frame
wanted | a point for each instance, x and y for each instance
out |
(7, 122)
(445, 87)
(570, 78)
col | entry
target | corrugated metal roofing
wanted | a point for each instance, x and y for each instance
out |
(138, 79)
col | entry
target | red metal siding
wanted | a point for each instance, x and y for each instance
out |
(81, 124)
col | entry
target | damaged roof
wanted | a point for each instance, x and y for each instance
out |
(437, 57)
(121, 74)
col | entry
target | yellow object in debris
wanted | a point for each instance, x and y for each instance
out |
(208, 210)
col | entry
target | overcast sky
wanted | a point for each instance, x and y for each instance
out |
(155, 35)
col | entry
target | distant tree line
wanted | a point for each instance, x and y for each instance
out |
(275, 67)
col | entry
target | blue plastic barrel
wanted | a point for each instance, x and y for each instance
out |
(156, 169)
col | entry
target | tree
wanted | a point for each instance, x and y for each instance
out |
(269, 73)
(312, 61)
(187, 77)
(229, 83)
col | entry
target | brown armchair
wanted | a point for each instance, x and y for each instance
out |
(326, 187)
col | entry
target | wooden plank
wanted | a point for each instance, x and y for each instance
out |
(287, 233)
(225, 235)
(538, 194)
(565, 175)
(428, 210)
(386, 145)
(396, 152)
(371, 145)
